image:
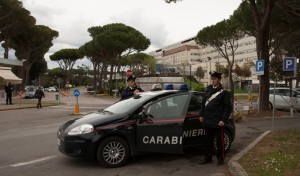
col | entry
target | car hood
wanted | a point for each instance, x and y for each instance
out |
(95, 118)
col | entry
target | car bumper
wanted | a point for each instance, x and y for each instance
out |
(76, 146)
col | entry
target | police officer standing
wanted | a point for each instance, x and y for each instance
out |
(132, 88)
(9, 90)
(215, 110)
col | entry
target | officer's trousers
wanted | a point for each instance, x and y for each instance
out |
(210, 135)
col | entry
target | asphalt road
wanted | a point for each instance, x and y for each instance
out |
(28, 145)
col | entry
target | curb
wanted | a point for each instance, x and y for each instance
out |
(24, 107)
(235, 168)
(15, 108)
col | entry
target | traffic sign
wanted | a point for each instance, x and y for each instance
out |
(289, 64)
(59, 80)
(76, 93)
(260, 67)
(129, 73)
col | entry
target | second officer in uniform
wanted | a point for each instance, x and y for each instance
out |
(215, 110)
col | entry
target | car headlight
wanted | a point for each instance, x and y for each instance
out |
(82, 129)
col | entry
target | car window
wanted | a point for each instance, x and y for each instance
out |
(280, 92)
(195, 103)
(296, 93)
(126, 105)
(30, 89)
(168, 108)
(286, 92)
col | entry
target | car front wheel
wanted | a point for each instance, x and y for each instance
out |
(113, 152)
(227, 141)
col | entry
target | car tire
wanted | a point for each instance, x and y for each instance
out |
(227, 141)
(113, 152)
(270, 105)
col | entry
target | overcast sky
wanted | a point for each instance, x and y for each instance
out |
(164, 24)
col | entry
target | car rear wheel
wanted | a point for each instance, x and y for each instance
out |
(227, 141)
(270, 105)
(113, 152)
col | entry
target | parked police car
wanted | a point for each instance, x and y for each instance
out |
(156, 121)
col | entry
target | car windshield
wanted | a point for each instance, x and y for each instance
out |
(125, 105)
(30, 89)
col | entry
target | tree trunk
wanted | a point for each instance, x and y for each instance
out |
(22, 70)
(111, 74)
(6, 48)
(262, 45)
(27, 70)
(95, 77)
(262, 19)
(231, 86)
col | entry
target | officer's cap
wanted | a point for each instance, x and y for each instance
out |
(131, 78)
(215, 74)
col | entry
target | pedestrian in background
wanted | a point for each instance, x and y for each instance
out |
(39, 94)
(9, 90)
(215, 110)
(132, 88)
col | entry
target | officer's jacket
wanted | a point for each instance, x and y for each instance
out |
(215, 108)
(9, 89)
(39, 93)
(128, 92)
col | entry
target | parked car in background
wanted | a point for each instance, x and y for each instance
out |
(90, 88)
(30, 91)
(52, 89)
(283, 99)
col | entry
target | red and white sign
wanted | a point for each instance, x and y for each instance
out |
(129, 73)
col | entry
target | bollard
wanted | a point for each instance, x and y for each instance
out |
(76, 109)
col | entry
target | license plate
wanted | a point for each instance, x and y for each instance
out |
(58, 142)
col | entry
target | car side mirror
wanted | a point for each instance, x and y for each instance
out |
(100, 110)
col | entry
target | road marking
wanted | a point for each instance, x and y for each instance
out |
(33, 161)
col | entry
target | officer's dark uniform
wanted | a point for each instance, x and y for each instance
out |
(39, 93)
(215, 108)
(128, 91)
(9, 90)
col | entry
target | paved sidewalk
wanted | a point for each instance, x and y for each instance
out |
(50, 100)
(25, 103)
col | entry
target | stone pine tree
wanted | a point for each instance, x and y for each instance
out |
(110, 44)
(31, 46)
(224, 37)
(270, 22)
(283, 14)
(14, 20)
(66, 59)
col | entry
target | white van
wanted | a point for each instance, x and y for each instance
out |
(30, 91)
